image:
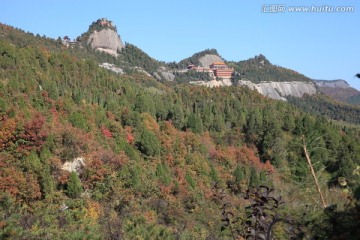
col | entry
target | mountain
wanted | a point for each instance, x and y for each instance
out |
(339, 90)
(102, 36)
(256, 73)
(203, 58)
(90, 153)
(260, 69)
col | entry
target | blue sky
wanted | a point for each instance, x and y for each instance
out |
(320, 45)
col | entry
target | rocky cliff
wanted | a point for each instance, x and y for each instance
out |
(279, 90)
(106, 40)
(274, 90)
(332, 84)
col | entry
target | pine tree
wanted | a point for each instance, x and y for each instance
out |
(253, 179)
(74, 187)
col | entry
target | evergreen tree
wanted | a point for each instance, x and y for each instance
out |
(239, 174)
(253, 178)
(148, 144)
(74, 186)
(195, 123)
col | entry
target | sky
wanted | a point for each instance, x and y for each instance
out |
(321, 44)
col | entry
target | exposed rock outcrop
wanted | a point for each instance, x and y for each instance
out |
(213, 83)
(167, 75)
(75, 165)
(279, 90)
(274, 90)
(332, 83)
(112, 68)
(106, 40)
(208, 59)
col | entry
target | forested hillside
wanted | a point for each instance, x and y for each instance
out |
(160, 161)
(259, 69)
(325, 106)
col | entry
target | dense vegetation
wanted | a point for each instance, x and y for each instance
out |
(325, 106)
(160, 161)
(192, 75)
(134, 56)
(347, 95)
(259, 69)
(355, 100)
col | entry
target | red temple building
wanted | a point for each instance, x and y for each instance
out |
(217, 69)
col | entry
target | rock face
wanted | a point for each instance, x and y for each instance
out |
(274, 90)
(162, 72)
(75, 165)
(112, 67)
(208, 59)
(106, 40)
(279, 90)
(213, 83)
(332, 84)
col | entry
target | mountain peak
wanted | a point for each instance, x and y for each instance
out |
(262, 60)
(102, 36)
(100, 24)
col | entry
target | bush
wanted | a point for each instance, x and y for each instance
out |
(148, 144)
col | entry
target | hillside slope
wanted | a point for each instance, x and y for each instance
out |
(154, 160)
(339, 90)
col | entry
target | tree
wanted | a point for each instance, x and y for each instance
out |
(177, 116)
(74, 186)
(239, 174)
(148, 144)
(313, 173)
(195, 123)
(253, 179)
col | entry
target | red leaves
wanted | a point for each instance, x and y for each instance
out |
(20, 185)
(129, 135)
(33, 136)
(130, 138)
(268, 167)
(106, 132)
(7, 132)
(28, 137)
(244, 155)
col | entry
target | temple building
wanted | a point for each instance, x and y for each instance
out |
(217, 69)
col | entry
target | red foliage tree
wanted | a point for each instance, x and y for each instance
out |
(22, 186)
(129, 135)
(106, 132)
(7, 132)
(32, 137)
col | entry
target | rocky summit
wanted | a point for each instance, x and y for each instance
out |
(104, 37)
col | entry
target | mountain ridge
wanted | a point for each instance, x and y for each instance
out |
(339, 90)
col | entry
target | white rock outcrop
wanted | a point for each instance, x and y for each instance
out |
(106, 40)
(213, 83)
(112, 68)
(332, 83)
(75, 165)
(279, 90)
